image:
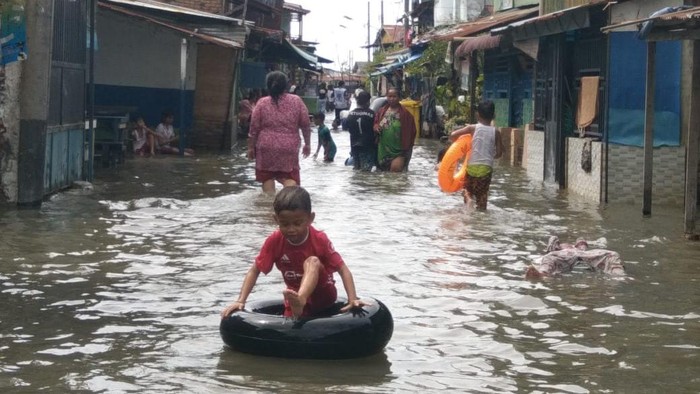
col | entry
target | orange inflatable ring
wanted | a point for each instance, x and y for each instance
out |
(448, 180)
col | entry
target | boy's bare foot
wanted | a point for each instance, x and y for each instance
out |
(295, 302)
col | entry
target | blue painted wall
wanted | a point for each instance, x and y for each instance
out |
(627, 91)
(150, 102)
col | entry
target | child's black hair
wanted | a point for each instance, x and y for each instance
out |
(165, 115)
(487, 110)
(292, 198)
(363, 99)
(320, 115)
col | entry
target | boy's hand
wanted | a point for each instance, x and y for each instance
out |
(236, 306)
(354, 304)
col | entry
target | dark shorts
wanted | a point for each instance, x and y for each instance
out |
(364, 158)
(478, 189)
(279, 176)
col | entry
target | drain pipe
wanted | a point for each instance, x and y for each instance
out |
(91, 97)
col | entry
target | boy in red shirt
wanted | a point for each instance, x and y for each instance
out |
(305, 257)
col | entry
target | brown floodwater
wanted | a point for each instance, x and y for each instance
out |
(119, 288)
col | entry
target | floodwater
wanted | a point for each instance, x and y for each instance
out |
(119, 289)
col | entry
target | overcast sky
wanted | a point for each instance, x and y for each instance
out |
(324, 24)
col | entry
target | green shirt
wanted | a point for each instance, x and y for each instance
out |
(390, 137)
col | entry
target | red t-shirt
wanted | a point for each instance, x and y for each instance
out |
(289, 259)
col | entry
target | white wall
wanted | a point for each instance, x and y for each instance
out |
(533, 154)
(132, 52)
(578, 181)
(626, 183)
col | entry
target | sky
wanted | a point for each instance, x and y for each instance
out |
(340, 27)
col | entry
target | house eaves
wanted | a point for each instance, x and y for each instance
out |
(226, 35)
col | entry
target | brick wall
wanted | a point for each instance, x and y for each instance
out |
(533, 154)
(513, 146)
(212, 6)
(578, 181)
(625, 181)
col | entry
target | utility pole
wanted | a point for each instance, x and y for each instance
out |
(405, 21)
(368, 43)
(382, 15)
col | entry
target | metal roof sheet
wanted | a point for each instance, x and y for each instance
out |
(295, 8)
(218, 35)
(689, 16)
(174, 9)
(478, 26)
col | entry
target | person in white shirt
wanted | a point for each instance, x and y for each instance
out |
(340, 99)
(487, 145)
(165, 136)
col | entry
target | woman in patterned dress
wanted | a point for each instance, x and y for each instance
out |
(396, 133)
(274, 135)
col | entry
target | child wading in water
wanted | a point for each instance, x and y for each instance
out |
(325, 139)
(305, 257)
(486, 146)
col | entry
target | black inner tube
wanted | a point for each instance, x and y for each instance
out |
(262, 330)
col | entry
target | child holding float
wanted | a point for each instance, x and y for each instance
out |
(306, 258)
(486, 145)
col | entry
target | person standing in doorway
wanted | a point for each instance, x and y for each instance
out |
(274, 135)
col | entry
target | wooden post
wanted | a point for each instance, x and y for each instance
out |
(649, 127)
(693, 145)
(183, 91)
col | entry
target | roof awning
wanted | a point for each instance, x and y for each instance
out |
(305, 56)
(573, 18)
(206, 27)
(666, 24)
(477, 43)
(478, 26)
(287, 52)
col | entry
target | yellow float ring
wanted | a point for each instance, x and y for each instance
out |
(448, 180)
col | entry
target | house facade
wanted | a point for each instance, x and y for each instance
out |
(43, 75)
(155, 57)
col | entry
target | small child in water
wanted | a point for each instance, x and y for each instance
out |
(325, 139)
(486, 146)
(304, 256)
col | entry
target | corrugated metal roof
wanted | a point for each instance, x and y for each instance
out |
(683, 17)
(219, 35)
(170, 8)
(478, 26)
(548, 17)
(295, 8)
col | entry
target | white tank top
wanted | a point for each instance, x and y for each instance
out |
(483, 145)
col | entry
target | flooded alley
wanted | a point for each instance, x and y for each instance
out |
(119, 289)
